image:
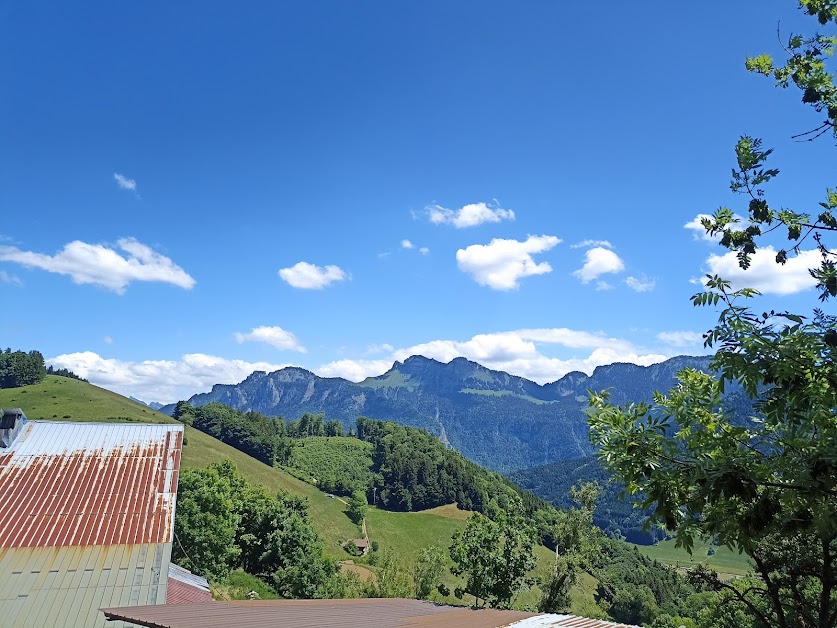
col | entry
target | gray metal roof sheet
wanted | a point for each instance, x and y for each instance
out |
(184, 575)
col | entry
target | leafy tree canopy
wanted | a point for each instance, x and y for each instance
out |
(767, 487)
(19, 368)
(494, 557)
(807, 68)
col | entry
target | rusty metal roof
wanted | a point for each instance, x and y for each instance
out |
(186, 587)
(360, 613)
(366, 613)
(78, 484)
(567, 621)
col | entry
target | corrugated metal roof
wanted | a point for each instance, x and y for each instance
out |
(566, 621)
(187, 577)
(363, 613)
(186, 587)
(77, 484)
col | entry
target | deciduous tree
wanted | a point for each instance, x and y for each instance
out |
(494, 557)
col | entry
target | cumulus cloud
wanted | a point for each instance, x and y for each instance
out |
(468, 216)
(312, 277)
(104, 266)
(764, 274)
(406, 244)
(680, 338)
(699, 232)
(597, 262)
(502, 263)
(517, 352)
(354, 370)
(276, 337)
(586, 244)
(424, 250)
(124, 182)
(165, 381)
(381, 348)
(643, 284)
(10, 279)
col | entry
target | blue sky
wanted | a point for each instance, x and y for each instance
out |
(190, 191)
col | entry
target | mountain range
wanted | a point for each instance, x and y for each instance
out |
(499, 420)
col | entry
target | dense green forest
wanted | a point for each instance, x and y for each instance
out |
(19, 368)
(415, 471)
(615, 513)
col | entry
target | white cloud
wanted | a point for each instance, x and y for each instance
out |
(164, 381)
(10, 279)
(312, 277)
(603, 285)
(354, 370)
(764, 274)
(382, 348)
(103, 266)
(468, 216)
(124, 182)
(584, 244)
(680, 338)
(643, 284)
(699, 232)
(407, 244)
(516, 352)
(502, 263)
(108, 340)
(276, 337)
(599, 261)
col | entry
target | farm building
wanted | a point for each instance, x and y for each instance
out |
(86, 518)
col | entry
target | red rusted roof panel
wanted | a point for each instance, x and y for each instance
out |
(184, 593)
(81, 484)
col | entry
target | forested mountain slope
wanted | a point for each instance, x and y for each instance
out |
(499, 420)
(614, 513)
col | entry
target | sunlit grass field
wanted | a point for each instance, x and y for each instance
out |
(724, 561)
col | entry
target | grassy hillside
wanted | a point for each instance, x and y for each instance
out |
(59, 398)
(726, 562)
